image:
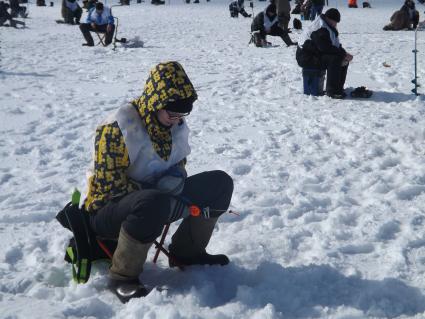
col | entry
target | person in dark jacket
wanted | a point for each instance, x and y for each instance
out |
(5, 16)
(138, 182)
(405, 18)
(70, 11)
(16, 9)
(319, 48)
(267, 23)
(316, 8)
(237, 7)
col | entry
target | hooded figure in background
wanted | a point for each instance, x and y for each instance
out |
(267, 23)
(139, 182)
(319, 48)
(405, 18)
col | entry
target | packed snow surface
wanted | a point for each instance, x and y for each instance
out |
(331, 193)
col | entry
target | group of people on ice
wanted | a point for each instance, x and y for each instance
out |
(138, 182)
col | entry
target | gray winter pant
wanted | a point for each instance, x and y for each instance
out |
(144, 213)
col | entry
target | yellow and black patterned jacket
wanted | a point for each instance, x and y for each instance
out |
(167, 81)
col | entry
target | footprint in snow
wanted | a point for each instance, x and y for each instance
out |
(242, 169)
(410, 191)
(13, 255)
(357, 249)
(388, 231)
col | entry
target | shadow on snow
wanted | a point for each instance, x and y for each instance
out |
(293, 291)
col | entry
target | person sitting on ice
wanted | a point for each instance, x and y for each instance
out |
(5, 16)
(16, 9)
(407, 18)
(99, 20)
(267, 23)
(237, 7)
(139, 182)
(319, 48)
(70, 11)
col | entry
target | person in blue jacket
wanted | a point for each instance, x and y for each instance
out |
(99, 19)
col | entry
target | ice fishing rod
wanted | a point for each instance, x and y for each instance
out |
(415, 53)
(251, 4)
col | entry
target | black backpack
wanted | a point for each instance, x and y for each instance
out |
(83, 248)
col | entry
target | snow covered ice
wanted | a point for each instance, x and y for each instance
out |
(331, 193)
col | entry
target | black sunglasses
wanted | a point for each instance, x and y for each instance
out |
(176, 115)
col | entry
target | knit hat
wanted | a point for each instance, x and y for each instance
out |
(180, 106)
(333, 14)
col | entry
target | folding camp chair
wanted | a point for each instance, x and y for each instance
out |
(101, 36)
(115, 39)
(159, 246)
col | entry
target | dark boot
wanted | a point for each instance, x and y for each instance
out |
(190, 240)
(201, 259)
(127, 264)
(258, 40)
